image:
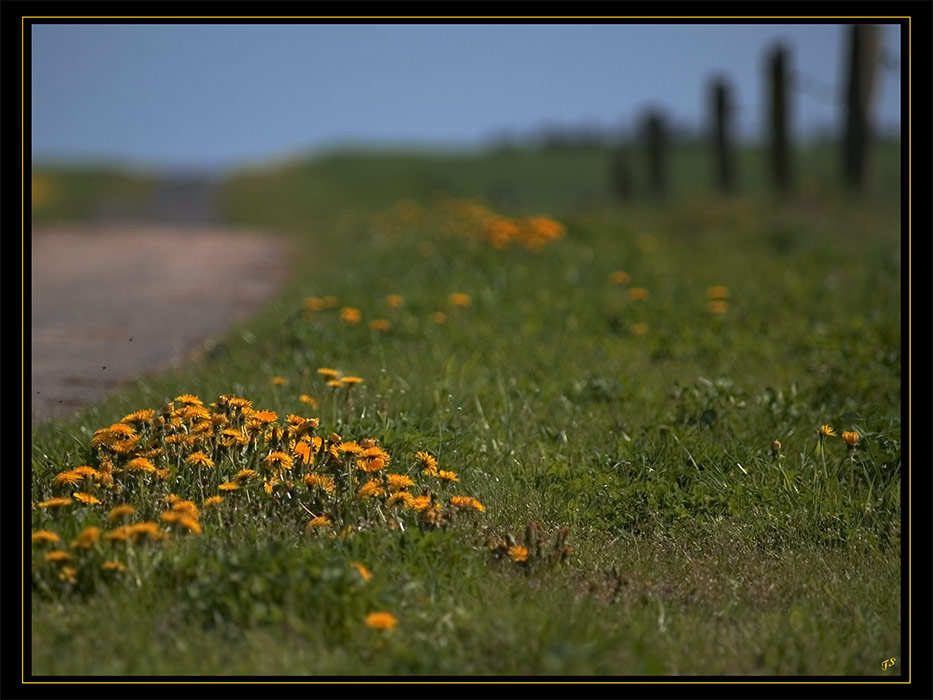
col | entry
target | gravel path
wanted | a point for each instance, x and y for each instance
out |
(110, 302)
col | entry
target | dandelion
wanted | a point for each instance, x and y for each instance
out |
(429, 462)
(350, 315)
(314, 303)
(334, 383)
(439, 317)
(350, 381)
(86, 471)
(309, 400)
(245, 474)
(446, 476)
(87, 537)
(393, 301)
(307, 449)
(460, 299)
(119, 431)
(319, 481)
(229, 486)
(55, 503)
(58, 555)
(264, 416)
(321, 521)
(212, 501)
(279, 381)
(467, 502)
(112, 566)
(379, 324)
(402, 497)
(186, 508)
(418, 503)
(68, 574)
(350, 447)
(85, 498)
(140, 464)
(120, 511)
(45, 536)
(827, 431)
(69, 478)
(776, 448)
(373, 464)
(381, 621)
(639, 294)
(518, 553)
(200, 459)
(371, 488)
(851, 438)
(364, 572)
(150, 529)
(190, 524)
(717, 292)
(277, 462)
(619, 277)
(399, 481)
(189, 400)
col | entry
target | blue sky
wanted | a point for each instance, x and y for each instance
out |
(213, 96)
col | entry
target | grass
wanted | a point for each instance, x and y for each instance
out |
(643, 426)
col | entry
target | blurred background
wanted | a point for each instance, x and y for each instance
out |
(141, 121)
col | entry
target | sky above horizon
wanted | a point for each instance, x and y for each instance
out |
(212, 96)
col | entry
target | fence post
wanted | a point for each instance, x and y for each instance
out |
(621, 174)
(722, 135)
(779, 108)
(863, 59)
(656, 139)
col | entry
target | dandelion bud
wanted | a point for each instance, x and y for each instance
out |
(850, 438)
(776, 446)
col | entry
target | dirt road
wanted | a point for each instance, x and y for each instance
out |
(112, 301)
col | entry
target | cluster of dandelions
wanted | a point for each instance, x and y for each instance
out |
(316, 308)
(155, 474)
(468, 218)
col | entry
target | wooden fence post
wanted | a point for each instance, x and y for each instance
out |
(656, 139)
(863, 59)
(621, 174)
(779, 108)
(722, 135)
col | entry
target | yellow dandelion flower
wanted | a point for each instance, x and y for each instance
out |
(399, 481)
(718, 306)
(55, 503)
(350, 380)
(318, 522)
(439, 317)
(190, 524)
(381, 621)
(402, 497)
(373, 464)
(269, 486)
(229, 486)
(172, 498)
(150, 529)
(328, 372)
(112, 566)
(379, 324)
(121, 534)
(120, 511)
(279, 381)
(277, 462)
(320, 481)
(200, 459)
(86, 538)
(70, 477)
(85, 498)
(58, 555)
(212, 501)
(310, 400)
(351, 447)
(393, 301)
(314, 303)
(189, 400)
(142, 416)
(460, 299)
(518, 553)
(467, 502)
(717, 292)
(264, 416)
(418, 503)
(121, 431)
(45, 536)
(307, 449)
(364, 572)
(186, 507)
(334, 383)
(371, 488)
(68, 574)
(447, 476)
(429, 462)
(827, 431)
(86, 471)
(350, 315)
(219, 420)
(140, 464)
(245, 474)
(619, 277)
(639, 293)
(851, 438)
(163, 473)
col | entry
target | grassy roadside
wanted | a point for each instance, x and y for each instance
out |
(641, 421)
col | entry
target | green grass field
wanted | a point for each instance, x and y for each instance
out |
(618, 430)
